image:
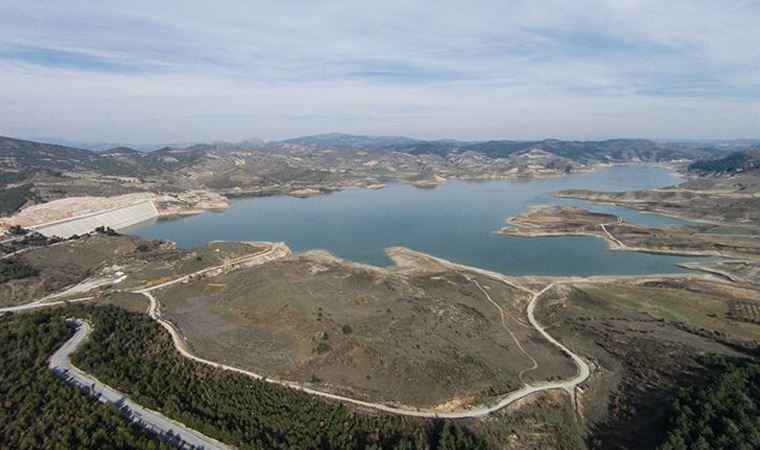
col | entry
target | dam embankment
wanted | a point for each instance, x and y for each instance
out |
(116, 218)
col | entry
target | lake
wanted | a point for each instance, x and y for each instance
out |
(456, 221)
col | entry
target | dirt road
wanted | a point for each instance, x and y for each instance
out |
(476, 411)
(279, 250)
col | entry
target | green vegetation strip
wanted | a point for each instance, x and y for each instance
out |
(723, 415)
(133, 354)
(39, 411)
(13, 198)
(15, 269)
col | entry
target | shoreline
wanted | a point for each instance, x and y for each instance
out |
(612, 245)
(405, 259)
(632, 206)
(497, 403)
(219, 200)
(173, 214)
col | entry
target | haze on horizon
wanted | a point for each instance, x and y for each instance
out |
(202, 71)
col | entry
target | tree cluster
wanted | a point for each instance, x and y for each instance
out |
(13, 198)
(133, 354)
(39, 411)
(725, 414)
(30, 239)
(108, 231)
(731, 164)
(14, 269)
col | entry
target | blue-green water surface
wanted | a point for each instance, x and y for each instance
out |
(456, 221)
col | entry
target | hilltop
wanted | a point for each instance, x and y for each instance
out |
(734, 163)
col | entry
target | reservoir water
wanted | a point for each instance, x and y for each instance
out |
(455, 221)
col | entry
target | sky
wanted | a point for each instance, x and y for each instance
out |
(168, 71)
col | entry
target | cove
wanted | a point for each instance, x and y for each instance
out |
(455, 221)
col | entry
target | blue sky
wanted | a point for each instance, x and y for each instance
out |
(159, 71)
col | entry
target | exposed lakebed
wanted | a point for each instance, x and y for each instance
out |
(456, 221)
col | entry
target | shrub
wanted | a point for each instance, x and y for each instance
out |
(323, 347)
(14, 269)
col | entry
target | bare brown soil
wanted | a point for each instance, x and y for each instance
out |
(681, 239)
(644, 343)
(417, 334)
(133, 260)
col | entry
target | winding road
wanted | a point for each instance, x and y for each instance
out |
(154, 422)
(39, 304)
(477, 411)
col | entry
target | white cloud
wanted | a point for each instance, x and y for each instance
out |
(191, 70)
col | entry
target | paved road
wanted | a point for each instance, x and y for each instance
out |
(81, 288)
(275, 251)
(279, 250)
(152, 421)
(37, 304)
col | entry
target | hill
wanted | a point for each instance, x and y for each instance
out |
(306, 165)
(734, 163)
(16, 154)
(613, 150)
(349, 140)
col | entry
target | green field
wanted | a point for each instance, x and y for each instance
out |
(697, 309)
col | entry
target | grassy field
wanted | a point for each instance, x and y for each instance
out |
(166, 264)
(421, 338)
(63, 265)
(706, 310)
(126, 300)
(57, 267)
(645, 340)
(729, 230)
(424, 333)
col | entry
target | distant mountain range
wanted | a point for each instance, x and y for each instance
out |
(128, 161)
(92, 146)
(350, 140)
(103, 146)
(497, 148)
(614, 150)
(33, 172)
(118, 161)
